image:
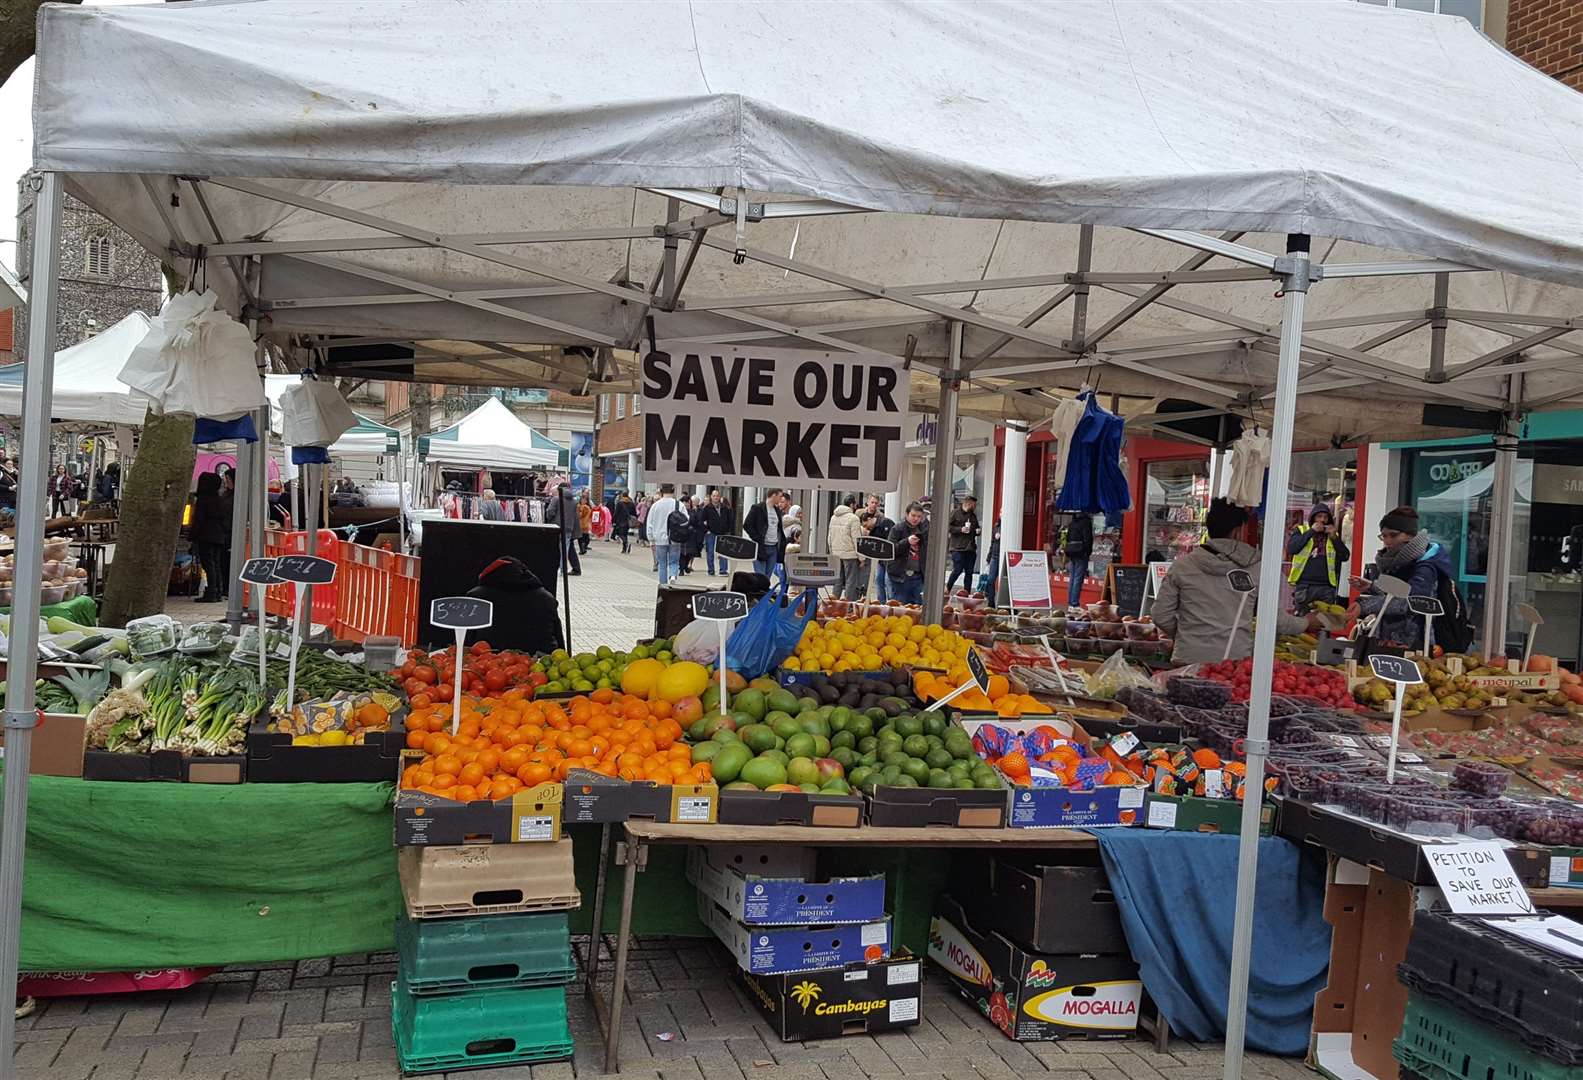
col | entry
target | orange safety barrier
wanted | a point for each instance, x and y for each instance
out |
(281, 599)
(379, 594)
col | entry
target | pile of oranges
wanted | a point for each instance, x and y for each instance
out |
(507, 744)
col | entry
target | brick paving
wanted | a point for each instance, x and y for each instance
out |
(684, 1020)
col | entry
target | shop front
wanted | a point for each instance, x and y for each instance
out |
(1451, 486)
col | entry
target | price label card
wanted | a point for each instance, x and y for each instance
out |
(461, 613)
(976, 668)
(1240, 580)
(305, 569)
(1395, 669)
(1425, 605)
(736, 547)
(1478, 879)
(720, 606)
(260, 572)
(876, 547)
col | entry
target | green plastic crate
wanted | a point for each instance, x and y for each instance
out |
(478, 1028)
(1439, 1043)
(442, 956)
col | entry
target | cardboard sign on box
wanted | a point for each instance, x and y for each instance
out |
(1035, 997)
(57, 748)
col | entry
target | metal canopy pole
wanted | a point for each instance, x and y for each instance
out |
(241, 506)
(1013, 469)
(1294, 271)
(1503, 514)
(20, 715)
(944, 467)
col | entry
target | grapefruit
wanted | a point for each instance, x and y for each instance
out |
(642, 676)
(682, 679)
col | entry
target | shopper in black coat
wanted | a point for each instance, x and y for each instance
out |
(208, 530)
(526, 614)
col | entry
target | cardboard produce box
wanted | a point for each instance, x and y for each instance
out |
(57, 745)
(1193, 813)
(1035, 997)
(858, 999)
(759, 900)
(790, 808)
(487, 879)
(527, 817)
(923, 807)
(593, 798)
(785, 950)
(1065, 908)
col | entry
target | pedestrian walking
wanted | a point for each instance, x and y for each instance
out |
(621, 518)
(911, 537)
(963, 543)
(762, 525)
(585, 523)
(642, 518)
(1079, 547)
(665, 519)
(717, 521)
(883, 527)
(61, 487)
(844, 530)
(563, 512)
(207, 530)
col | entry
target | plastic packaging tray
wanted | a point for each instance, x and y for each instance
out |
(1440, 1043)
(442, 1032)
(484, 952)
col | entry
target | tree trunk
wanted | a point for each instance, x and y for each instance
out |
(152, 498)
(18, 22)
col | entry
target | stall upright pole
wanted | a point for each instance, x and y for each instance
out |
(1013, 474)
(241, 476)
(944, 467)
(1294, 271)
(33, 476)
(1503, 510)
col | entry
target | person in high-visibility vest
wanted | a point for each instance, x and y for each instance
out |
(1317, 554)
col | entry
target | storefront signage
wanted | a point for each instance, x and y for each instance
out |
(1556, 483)
(714, 413)
(1028, 579)
(1477, 878)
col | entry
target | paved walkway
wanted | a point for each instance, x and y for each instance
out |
(686, 1020)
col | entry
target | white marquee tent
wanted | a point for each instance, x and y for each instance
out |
(489, 437)
(86, 388)
(1018, 198)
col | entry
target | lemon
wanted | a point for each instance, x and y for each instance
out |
(305, 740)
(334, 738)
(791, 663)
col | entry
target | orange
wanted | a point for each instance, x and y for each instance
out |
(513, 759)
(1205, 758)
(447, 763)
(444, 781)
(489, 760)
(415, 739)
(533, 773)
(464, 793)
(603, 697)
(435, 743)
(1014, 765)
(504, 787)
(470, 775)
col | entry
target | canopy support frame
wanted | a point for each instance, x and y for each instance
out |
(934, 568)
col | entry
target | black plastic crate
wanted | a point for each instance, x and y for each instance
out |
(1538, 994)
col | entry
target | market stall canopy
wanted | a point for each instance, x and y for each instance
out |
(714, 182)
(490, 437)
(86, 388)
(368, 438)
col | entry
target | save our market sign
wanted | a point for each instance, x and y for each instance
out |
(763, 416)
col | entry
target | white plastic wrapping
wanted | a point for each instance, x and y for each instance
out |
(195, 360)
(313, 413)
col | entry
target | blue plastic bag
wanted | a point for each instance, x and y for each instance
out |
(771, 631)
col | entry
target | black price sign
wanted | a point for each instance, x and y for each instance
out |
(736, 547)
(1425, 605)
(1395, 669)
(305, 569)
(1240, 580)
(720, 606)
(461, 613)
(976, 668)
(260, 572)
(876, 547)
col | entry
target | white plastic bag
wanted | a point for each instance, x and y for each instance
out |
(698, 641)
(313, 413)
(196, 360)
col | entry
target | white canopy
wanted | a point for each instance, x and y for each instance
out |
(86, 388)
(489, 437)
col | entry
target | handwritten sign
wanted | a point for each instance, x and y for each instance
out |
(720, 606)
(259, 572)
(461, 613)
(813, 571)
(1240, 580)
(1129, 588)
(736, 547)
(1425, 605)
(305, 569)
(976, 668)
(876, 547)
(1477, 878)
(1395, 669)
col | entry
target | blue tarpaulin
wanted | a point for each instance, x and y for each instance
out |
(1177, 895)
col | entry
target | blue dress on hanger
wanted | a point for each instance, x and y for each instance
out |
(1094, 480)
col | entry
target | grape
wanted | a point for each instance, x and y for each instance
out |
(1197, 693)
(1480, 777)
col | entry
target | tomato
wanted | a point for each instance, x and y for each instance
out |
(496, 679)
(446, 691)
(405, 670)
(425, 675)
(414, 687)
(537, 678)
(421, 700)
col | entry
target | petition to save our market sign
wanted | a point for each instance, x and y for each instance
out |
(756, 416)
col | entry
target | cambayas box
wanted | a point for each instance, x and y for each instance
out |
(1035, 997)
(782, 950)
(858, 999)
(787, 901)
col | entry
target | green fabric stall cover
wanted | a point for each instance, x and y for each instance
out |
(81, 610)
(125, 876)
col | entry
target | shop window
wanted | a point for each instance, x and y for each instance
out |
(637, 404)
(621, 406)
(99, 261)
(1471, 10)
(604, 407)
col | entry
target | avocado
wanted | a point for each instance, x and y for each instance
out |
(781, 701)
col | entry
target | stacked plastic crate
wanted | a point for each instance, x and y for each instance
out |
(485, 955)
(1486, 1003)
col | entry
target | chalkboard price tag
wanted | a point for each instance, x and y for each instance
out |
(305, 569)
(259, 572)
(736, 547)
(1129, 586)
(461, 612)
(976, 668)
(1395, 669)
(1425, 605)
(1241, 581)
(876, 547)
(720, 606)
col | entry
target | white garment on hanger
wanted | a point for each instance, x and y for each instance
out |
(1062, 426)
(1249, 458)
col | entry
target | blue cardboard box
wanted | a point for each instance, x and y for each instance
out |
(1062, 808)
(787, 901)
(782, 950)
